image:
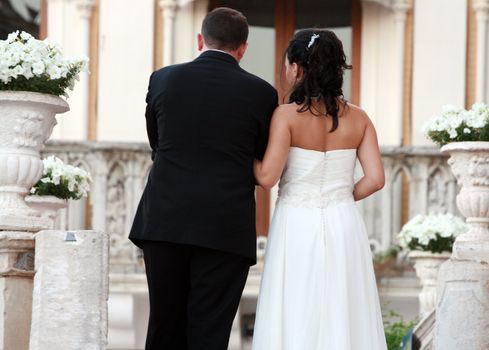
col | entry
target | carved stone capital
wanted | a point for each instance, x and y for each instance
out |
(169, 8)
(399, 7)
(84, 7)
(481, 8)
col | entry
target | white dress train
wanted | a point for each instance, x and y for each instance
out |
(318, 289)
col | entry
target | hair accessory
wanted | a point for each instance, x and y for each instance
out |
(311, 42)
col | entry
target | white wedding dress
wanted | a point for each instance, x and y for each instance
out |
(318, 289)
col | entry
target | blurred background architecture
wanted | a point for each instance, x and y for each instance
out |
(409, 58)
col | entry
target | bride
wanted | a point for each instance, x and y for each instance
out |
(318, 289)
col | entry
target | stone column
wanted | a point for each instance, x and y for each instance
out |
(400, 9)
(84, 10)
(168, 10)
(481, 8)
(387, 205)
(69, 309)
(16, 273)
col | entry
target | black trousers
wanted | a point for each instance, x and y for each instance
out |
(194, 294)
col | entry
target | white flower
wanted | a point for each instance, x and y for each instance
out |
(426, 229)
(38, 68)
(74, 180)
(21, 55)
(12, 36)
(452, 118)
(53, 71)
(25, 36)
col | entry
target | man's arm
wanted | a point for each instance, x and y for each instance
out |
(151, 124)
(262, 141)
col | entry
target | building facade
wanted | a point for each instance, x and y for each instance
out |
(409, 58)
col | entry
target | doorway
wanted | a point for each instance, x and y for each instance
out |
(272, 24)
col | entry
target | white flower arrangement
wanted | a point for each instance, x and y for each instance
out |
(434, 232)
(456, 124)
(62, 180)
(28, 64)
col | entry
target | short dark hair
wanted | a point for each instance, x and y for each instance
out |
(225, 29)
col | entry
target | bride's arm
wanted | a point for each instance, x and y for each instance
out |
(371, 161)
(268, 171)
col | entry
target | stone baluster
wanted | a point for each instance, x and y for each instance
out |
(418, 187)
(98, 193)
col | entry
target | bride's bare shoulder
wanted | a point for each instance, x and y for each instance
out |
(353, 110)
(286, 111)
(287, 108)
(356, 114)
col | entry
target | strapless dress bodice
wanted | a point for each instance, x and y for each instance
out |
(317, 179)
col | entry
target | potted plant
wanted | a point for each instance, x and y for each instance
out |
(33, 76)
(465, 136)
(430, 238)
(396, 330)
(59, 182)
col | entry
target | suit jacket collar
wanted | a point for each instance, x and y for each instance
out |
(218, 55)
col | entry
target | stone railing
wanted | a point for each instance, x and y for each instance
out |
(418, 180)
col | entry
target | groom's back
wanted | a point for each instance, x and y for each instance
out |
(212, 120)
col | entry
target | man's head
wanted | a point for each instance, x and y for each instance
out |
(224, 29)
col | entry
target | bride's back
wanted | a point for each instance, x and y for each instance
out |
(313, 131)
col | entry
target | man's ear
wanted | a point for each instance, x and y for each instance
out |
(241, 51)
(200, 42)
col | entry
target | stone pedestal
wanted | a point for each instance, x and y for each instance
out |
(462, 313)
(427, 265)
(69, 309)
(16, 273)
(462, 321)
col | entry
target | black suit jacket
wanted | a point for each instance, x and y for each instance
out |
(206, 121)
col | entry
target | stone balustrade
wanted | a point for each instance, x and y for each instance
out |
(418, 181)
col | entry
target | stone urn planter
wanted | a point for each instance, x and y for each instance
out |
(427, 265)
(463, 283)
(470, 165)
(47, 206)
(26, 122)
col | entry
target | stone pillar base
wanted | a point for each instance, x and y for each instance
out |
(462, 315)
(69, 306)
(16, 273)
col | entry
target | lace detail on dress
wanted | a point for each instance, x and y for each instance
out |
(314, 199)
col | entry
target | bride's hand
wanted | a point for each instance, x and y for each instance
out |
(256, 167)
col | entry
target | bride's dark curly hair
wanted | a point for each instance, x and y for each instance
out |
(323, 62)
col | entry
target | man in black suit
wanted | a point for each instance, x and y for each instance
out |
(206, 121)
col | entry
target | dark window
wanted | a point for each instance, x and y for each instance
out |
(323, 13)
(260, 13)
(19, 15)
